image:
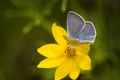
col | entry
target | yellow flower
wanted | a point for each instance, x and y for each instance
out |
(69, 55)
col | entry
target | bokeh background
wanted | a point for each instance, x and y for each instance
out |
(25, 25)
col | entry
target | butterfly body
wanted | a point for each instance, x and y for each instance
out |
(73, 42)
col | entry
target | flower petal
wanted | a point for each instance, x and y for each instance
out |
(51, 63)
(83, 61)
(79, 59)
(75, 71)
(86, 64)
(83, 49)
(58, 33)
(63, 70)
(50, 50)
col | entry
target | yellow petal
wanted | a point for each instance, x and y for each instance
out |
(86, 64)
(63, 70)
(58, 33)
(51, 63)
(79, 59)
(75, 71)
(83, 61)
(50, 50)
(83, 49)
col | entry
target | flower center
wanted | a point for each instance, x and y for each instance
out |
(70, 52)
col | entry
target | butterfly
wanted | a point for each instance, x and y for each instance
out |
(79, 30)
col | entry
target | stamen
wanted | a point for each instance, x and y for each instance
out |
(70, 52)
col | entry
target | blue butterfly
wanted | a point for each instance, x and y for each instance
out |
(79, 29)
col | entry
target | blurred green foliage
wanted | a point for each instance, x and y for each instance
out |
(25, 25)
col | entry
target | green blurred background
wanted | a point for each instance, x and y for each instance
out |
(25, 25)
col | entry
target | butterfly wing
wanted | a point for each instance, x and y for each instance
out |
(74, 24)
(87, 33)
(79, 29)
